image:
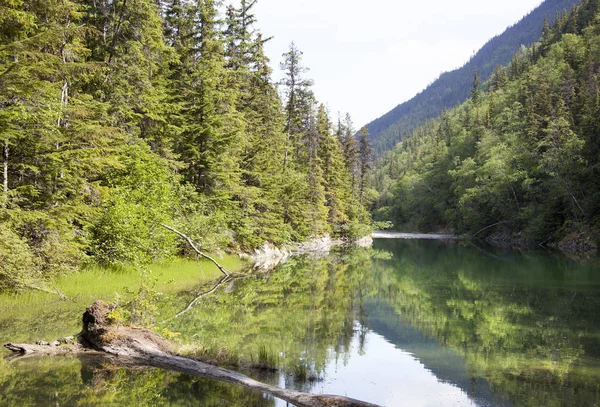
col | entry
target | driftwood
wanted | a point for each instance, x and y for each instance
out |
(140, 347)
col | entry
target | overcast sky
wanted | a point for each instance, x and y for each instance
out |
(366, 57)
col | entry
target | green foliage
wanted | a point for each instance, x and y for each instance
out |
(139, 199)
(119, 116)
(143, 305)
(522, 155)
(382, 225)
(18, 266)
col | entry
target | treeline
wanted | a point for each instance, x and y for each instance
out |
(452, 88)
(119, 115)
(522, 155)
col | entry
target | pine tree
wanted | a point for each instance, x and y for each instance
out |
(475, 94)
(299, 101)
(350, 149)
(335, 176)
(210, 143)
(365, 156)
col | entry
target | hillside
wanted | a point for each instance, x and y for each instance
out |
(519, 158)
(452, 88)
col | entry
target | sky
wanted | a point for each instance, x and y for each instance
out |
(366, 57)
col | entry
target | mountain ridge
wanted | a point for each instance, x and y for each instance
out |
(452, 88)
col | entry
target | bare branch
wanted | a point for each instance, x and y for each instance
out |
(56, 291)
(490, 226)
(191, 242)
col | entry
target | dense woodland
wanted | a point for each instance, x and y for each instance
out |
(118, 116)
(523, 153)
(452, 88)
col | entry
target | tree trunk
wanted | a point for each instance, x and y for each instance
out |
(5, 175)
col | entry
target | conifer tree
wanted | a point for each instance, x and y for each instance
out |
(475, 91)
(364, 158)
(350, 148)
(335, 176)
(299, 100)
(211, 141)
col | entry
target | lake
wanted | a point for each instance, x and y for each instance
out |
(408, 322)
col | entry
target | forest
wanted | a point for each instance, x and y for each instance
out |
(119, 116)
(520, 158)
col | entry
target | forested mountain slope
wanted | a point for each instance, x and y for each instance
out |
(524, 155)
(452, 88)
(118, 116)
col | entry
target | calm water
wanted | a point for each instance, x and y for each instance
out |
(411, 322)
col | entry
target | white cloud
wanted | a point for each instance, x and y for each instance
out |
(367, 57)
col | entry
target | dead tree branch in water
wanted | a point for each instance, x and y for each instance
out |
(193, 246)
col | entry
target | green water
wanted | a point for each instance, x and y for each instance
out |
(407, 323)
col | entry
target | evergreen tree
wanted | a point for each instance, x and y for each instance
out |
(299, 101)
(475, 92)
(335, 176)
(365, 155)
(350, 148)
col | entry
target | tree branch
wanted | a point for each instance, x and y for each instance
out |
(56, 290)
(491, 226)
(191, 242)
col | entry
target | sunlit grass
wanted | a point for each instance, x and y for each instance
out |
(218, 355)
(31, 315)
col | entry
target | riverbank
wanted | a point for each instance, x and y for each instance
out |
(269, 256)
(573, 243)
(62, 317)
(381, 234)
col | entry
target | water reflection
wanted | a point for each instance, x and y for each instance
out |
(526, 322)
(407, 323)
(88, 381)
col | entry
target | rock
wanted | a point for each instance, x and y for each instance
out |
(68, 339)
(269, 256)
(366, 241)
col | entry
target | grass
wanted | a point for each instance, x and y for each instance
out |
(217, 355)
(267, 358)
(299, 371)
(302, 372)
(33, 315)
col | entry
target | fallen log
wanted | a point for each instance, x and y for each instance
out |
(141, 347)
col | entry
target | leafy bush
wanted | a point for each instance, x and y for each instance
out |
(17, 263)
(139, 198)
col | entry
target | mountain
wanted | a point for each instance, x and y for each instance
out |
(519, 160)
(452, 88)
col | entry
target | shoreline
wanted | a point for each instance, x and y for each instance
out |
(381, 234)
